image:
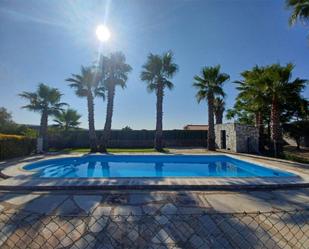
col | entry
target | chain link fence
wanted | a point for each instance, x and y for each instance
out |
(279, 229)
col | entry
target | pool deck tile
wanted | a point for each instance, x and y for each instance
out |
(238, 203)
(87, 202)
(166, 202)
(18, 199)
(46, 204)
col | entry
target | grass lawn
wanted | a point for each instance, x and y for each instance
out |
(110, 150)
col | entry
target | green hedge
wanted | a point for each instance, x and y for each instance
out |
(15, 146)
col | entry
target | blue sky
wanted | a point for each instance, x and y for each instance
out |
(46, 41)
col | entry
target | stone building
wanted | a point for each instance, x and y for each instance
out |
(237, 137)
(192, 127)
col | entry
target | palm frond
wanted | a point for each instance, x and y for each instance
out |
(209, 82)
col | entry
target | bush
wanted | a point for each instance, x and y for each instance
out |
(15, 146)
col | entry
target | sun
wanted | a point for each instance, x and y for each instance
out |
(103, 33)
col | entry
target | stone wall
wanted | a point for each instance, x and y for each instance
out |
(247, 138)
(230, 136)
(239, 138)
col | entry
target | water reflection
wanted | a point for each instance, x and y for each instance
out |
(91, 168)
(159, 169)
(212, 169)
(105, 169)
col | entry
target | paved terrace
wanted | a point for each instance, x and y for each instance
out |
(155, 219)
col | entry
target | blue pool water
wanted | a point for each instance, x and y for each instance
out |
(150, 166)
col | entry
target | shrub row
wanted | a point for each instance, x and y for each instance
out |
(15, 146)
(128, 138)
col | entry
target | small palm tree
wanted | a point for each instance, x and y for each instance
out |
(219, 108)
(86, 85)
(300, 10)
(281, 89)
(157, 72)
(46, 101)
(209, 85)
(67, 119)
(114, 72)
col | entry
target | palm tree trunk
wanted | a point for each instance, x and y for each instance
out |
(297, 140)
(276, 134)
(259, 124)
(219, 117)
(92, 135)
(268, 131)
(108, 121)
(158, 142)
(211, 127)
(43, 130)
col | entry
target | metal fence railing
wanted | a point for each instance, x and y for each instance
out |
(279, 229)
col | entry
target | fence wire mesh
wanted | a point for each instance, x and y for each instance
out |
(279, 229)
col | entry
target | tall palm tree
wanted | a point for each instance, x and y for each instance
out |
(157, 72)
(281, 89)
(87, 85)
(209, 85)
(219, 108)
(300, 10)
(46, 101)
(67, 119)
(114, 72)
(253, 97)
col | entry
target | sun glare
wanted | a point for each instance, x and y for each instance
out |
(103, 33)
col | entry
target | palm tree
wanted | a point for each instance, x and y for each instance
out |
(114, 72)
(157, 72)
(209, 85)
(300, 10)
(219, 108)
(253, 97)
(86, 85)
(281, 89)
(46, 101)
(67, 119)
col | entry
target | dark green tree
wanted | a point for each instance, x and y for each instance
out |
(297, 130)
(157, 73)
(219, 108)
(300, 10)
(86, 85)
(7, 125)
(67, 119)
(281, 89)
(47, 101)
(113, 72)
(209, 85)
(253, 98)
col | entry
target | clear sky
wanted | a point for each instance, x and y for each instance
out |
(47, 40)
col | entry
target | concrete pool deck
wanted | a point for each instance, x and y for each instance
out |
(20, 179)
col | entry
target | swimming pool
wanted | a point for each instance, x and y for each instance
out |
(110, 166)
